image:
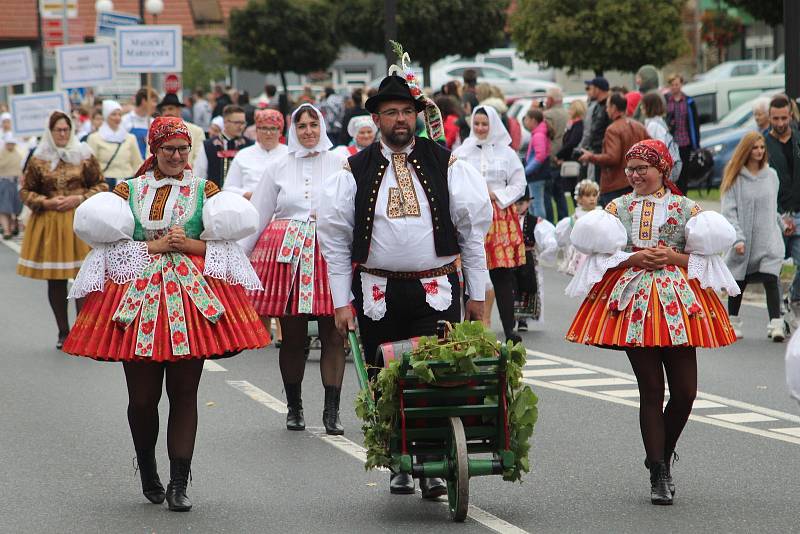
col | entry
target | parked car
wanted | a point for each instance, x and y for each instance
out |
(736, 118)
(732, 69)
(776, 67)
(722, 146)
(510, 59)
(714, 99)
(508, 82)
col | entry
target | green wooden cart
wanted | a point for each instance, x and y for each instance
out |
(462, 422)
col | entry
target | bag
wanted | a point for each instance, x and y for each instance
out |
(570, 169)
(699, 168)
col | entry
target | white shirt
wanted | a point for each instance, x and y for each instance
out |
(247, 168)
(291, 188)
(405, 243)
(501, 169)
(131, 120)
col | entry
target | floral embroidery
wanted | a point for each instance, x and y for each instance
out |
(377, 294)
(431, 288)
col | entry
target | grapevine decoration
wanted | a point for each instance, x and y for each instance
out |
(466, 342)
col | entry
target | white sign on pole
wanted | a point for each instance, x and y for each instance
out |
(84, 65)
(108, 21)
(152, 48)
(54, 9)
(16, 66)
(29, 113)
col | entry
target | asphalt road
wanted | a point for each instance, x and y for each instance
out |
(65, 448)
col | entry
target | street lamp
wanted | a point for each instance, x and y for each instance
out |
(155, 8)
(102, 6)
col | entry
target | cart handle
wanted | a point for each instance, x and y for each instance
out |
(358, 359)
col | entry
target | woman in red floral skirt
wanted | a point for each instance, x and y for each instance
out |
(166, 290)
(289, 263)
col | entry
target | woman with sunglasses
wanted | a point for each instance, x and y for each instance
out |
(652, 270)
(166, 290)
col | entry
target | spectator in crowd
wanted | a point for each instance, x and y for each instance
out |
(249, 109)
(557, 117)
(684, 124)
(221, 99)
(571, 139)
(94, 125)
(10, 167)
(470, 81)
(761, 113)
(217, 155)
(450, 109)
(587, 171)
(537, 171)
(452, 88)
(620, 136)
(646, 81)
(171, 106)
(599, 93)
(268, 97)
(138, 120)
(306, 97)
(468, 102)
(358, 109)
(749, 192)
(653, 110)
(115, 149)
(332, 108)
(783, 147)
(215, 128)
(201, 110)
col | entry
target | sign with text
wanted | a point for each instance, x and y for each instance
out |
(16, 66)
(29, 113)
(84, 65)
(108, 21)
(149, 49)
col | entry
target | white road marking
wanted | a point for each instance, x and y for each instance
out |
(622, 393)
(589, 382)
(703, 403)
(561, 371)
(745, 417)
(11, 244)
(360, 453)
(213, 367)
(791, 431)
(539, 362)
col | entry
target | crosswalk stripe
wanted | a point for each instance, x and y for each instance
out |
(703, 403)
(621, 393)
(743, 417)
(563, 371)
(790, 431)
(589, 382)
(539, 362)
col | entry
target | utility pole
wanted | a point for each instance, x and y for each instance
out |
(143, 76)
(389, 29)
(791, 25)
(40, 55)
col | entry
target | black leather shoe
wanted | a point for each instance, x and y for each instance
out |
(330, 415)
(672, 457)
(401, 484)
(659, 491)
(148, 472)
(62, 337)
(294, 403)
(179, 473)
(432, 488)
(514, 338)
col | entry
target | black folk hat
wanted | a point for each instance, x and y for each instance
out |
(392, 88)
(170, 99)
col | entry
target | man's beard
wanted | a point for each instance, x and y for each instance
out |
(781, 130)
(397, 139)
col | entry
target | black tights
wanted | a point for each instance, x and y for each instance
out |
(661, 427)
(57, 295)
(145, 382)
(503, 282)
(771, 288)
(294, 331)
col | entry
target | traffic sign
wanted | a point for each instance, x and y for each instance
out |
(172, 83)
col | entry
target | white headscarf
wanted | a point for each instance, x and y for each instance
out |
(497, 136)
(358, 122)
(219, 122)
(106, 133)
(73, 153)
(296, 147)
(5, 116)
(9, 139)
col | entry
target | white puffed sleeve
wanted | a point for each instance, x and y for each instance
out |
(793, 366)
(709, 234)
(563, 229)
(602, 237)
(228, 217)
(106, 223)
(545, 236)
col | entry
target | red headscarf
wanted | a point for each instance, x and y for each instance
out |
(269, 117)
(162, 130)
(656, 154)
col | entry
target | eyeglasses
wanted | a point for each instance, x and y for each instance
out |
(61, 130)
(641, 170)
(267, 129)
(235, 123)
(170, 150)
(394, 113)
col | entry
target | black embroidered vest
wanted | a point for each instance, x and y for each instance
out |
(218, 166)
(430, 162)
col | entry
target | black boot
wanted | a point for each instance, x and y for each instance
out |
(294, 402)
(148, 472)
(179, 473)
(330, 415)
(659, 491)
(671, 458)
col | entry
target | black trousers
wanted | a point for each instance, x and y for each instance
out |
(683, 178)
(407, 314)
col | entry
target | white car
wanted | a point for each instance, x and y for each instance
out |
(731, 69)
(714, 99)
(506, 80)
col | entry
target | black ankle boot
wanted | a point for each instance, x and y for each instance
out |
(659, 491)
(671, 457)
(179, 472)
(330, 415)
(148, 472)
(294, 403)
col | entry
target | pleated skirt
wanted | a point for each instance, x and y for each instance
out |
(50, 249)
(505, 247)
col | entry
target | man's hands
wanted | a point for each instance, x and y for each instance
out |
(473, 310)
(739, 248)
(585, 157)
(345, 323)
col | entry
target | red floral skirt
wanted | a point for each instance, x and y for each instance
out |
(96, 335)
(504, 244)
(282, 286)
(595, 324)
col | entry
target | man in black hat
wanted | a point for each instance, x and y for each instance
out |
(218, 152)
(171, 106)
(402, 210)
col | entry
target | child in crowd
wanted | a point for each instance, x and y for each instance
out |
(586, 193)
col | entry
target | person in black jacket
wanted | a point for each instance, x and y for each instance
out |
(357, 109)
(571, 139)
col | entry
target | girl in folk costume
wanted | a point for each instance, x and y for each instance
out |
(116, 150)
(363, 130)
(11, 158)
(650, 275)
(487, 150)
(289, 262)
(166, 290)
(586, 193)
(750, 203)
(61, 174)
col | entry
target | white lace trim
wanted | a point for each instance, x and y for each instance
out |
(592, 271)
(122, 262)
(225, 260)
(712, 272)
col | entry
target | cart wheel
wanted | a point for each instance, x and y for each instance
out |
(458, 481)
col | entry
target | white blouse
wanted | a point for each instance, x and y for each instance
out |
(247, 168)
(291, 189)
(500, 167)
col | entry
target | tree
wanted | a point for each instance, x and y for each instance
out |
(204, 60)
(770, 11)
(599, 35)
(428, 30)
(283, 36)
(719, 29)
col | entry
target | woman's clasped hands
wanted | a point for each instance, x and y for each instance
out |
(655, 258)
